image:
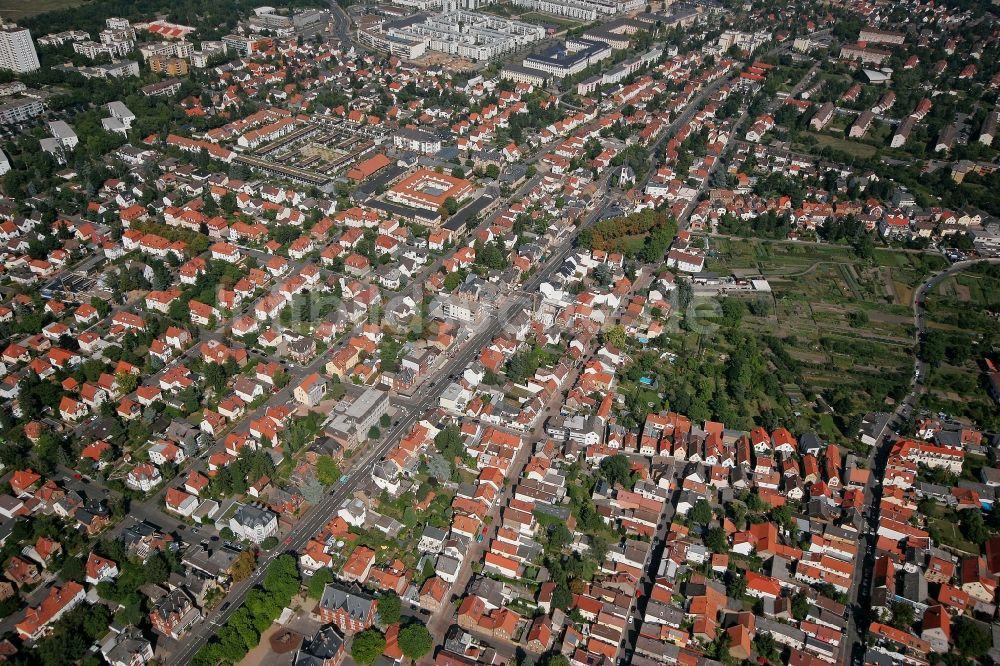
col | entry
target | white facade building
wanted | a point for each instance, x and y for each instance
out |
(470, 34)
(17, 51)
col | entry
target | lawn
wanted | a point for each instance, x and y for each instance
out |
(19, 9)
(546, 19)
(971, 466)
(947, 530)
(862, 150)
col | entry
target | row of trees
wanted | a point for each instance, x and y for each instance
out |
(261, 607)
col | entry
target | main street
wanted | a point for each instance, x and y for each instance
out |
(320, 514)
(317, 516)
(341, 24)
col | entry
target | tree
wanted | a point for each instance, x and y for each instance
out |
(491, 255)
(281, 379)
(685, 293)
(858, 318)
(561, 597)
(556, 660)
(933, 347)
(736, 585)
(228, 202)
(902, 615)
(617, 470)
(327, 471)
(559, 537)
(126, 382)
(972, 525)
(318, 582)
(367, 646)
(716, 540)
(449, 443)
(389, 609)
(800, 606)
(603, 275)
(415, 641)
(438, 468)
(72, 569)
(452, 280)
(733, 310)
(243, 566)
(971, 640)
(701, 512)
(615, 336)
(282, 577)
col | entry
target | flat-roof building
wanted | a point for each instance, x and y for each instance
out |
(570, 58)
(468, 34)
(17, 51)
(349, 424)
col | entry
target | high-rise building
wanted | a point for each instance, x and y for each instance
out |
(17, 51)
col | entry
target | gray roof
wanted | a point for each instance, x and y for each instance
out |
(951, 438)
(447, 564)
(325, 644)
(435, 533)
(353, 602)
(417, 134)
(251, 516)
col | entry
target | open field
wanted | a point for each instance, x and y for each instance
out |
(845, 145)
(548, 19)
(971, 288)
(20, 9)
(943, 523)
(449, 62)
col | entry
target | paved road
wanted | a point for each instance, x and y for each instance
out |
(320, 514)
(637, 611)
(737, 128)
(864, 575)
(315, 518)
(341, 25)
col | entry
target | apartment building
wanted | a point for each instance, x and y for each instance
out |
(17, 51)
